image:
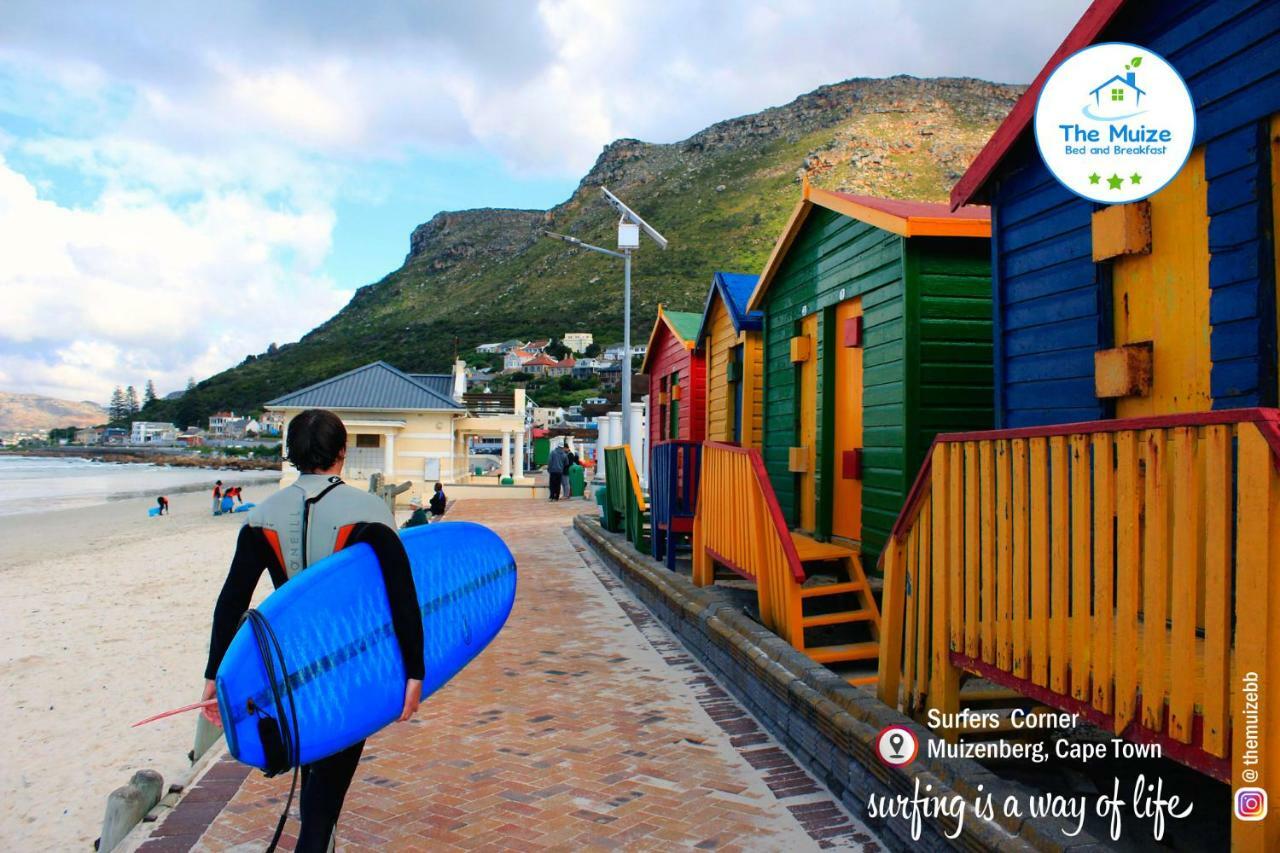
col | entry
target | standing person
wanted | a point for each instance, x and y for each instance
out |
(294, 528)
(438, 502)
(163, 504)
(557, 465)
(217, 498)
(573, 460)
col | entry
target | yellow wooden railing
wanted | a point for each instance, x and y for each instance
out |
(740, 525)
(1126, 570)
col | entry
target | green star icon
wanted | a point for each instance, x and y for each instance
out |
(1115, 181)
(1135, 178)
(1094, 178)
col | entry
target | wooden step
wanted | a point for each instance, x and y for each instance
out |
(843, 653)
(831, 589)
(842, 617)
(811, 550)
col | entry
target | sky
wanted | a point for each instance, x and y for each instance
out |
(182, 184)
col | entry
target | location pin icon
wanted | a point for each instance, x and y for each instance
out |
(895, 741)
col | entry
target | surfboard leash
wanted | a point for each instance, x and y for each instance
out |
(287, 751)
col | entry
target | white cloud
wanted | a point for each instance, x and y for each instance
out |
(137, 287)
(218, 140)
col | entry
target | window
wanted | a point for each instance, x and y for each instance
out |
(1117, 94)
(368, 440)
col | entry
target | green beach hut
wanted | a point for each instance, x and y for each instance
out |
(877, 336)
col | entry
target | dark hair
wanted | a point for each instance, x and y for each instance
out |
(439, 487)
(316, 439)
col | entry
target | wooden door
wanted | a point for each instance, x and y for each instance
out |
(807, 497)
(846, 353)
(735, 390)
(1163, 297)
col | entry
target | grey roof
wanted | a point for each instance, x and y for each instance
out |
(374, 386)
(441, 383)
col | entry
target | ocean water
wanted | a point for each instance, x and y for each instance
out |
(42, 483)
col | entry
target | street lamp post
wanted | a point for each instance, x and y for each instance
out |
(629, 227)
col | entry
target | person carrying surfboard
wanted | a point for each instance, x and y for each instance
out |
(300, 525)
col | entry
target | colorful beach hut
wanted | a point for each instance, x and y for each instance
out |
(877, 334)
(1111, 550)
(677, 378)
(730, 340)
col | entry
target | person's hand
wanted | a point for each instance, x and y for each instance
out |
(210, 712)
(412, 697)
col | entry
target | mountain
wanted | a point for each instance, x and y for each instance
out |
(721, 197)
(32, 412)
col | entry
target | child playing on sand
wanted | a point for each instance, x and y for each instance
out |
(217, 498)
(163, 504)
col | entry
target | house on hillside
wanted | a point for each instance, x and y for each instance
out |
(409, 427)
(515, 359)
(677, 378)
(577, 341)
(539, 365)
(152, 432)
(564, 367)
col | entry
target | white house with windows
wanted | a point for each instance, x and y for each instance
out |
(418, 427)
(152, 432)
(577, 341)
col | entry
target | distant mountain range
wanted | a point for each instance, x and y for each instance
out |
(721, 197)
(32, 412)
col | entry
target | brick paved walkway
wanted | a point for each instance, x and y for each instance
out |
(584, 725)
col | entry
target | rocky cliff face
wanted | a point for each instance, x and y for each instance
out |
(721, 197)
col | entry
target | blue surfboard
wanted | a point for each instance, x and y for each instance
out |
(334, 627)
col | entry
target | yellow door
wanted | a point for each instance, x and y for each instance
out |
(808, 498)
(846, 342)
(1163, 297)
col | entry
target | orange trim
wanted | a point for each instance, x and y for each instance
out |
(904, 226)
(798, 215)
(273, 539)
(344, 533)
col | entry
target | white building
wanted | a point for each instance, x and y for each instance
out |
(577, 341)
(614, 353)
(546, 416)
(219, 420)
(152, 432)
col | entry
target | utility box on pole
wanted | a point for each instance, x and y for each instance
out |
(628, 235)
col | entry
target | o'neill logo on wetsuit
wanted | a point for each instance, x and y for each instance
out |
(1115, 123)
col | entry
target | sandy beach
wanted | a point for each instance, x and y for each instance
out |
(105, 616)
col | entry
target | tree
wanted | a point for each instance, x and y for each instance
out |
(149, 395)
(593, 350)
(117, 410)
(191, 383)
(557, 350)
(131, 401)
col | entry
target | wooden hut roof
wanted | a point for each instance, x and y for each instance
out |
(683, 325)
(905, 218)
(733, 289)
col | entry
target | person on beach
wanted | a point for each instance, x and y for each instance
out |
(419, 516)
(297, 526)
(163, 504)
(438, 502)
(557, 465)
(217, 498)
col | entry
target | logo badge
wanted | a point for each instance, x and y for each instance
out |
(1115, 123)
(1251, 804)
(897, 746)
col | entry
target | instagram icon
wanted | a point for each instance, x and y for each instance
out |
(1250, 804)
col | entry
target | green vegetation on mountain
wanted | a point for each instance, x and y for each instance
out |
(721, 197)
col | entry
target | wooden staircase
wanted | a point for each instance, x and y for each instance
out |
(815, 595)
(837, 594)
